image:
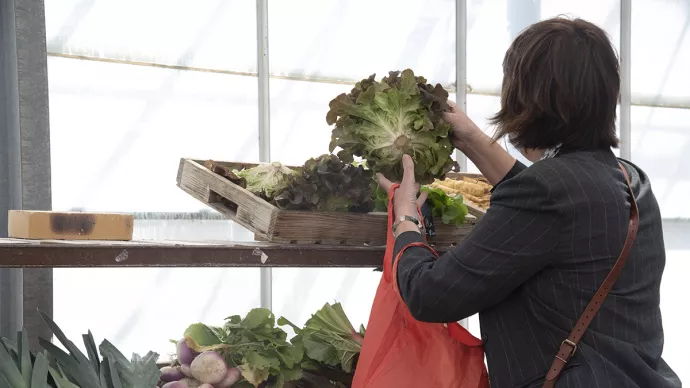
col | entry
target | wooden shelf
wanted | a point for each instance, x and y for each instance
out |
(15, 253)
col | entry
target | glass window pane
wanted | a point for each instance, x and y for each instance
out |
(204, 33)
(479, 109)
(141, 309)
(661, 52)
(349, 40)
(300, 292)
(674, 301)
(298, 119)
(660, 140)
(660, 143)
(132, 124)
(492, 25)
(118, 132)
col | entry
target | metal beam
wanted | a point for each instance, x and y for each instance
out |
(461, 79)
(461, 67)
(626, 95)
(11, 308)
(24, 156)
(263, 70)
(638, 99)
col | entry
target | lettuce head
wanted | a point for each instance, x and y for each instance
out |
(381, 121)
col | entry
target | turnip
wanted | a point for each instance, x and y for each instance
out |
(230, 379)
(175, 384)
(186, 370)
(209, 367)
(185, 355)
(184, 383)
(190, 383)
(169, 374)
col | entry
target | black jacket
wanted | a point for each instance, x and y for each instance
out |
(534, 261)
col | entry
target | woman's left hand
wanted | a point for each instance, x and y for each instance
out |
(405, 202)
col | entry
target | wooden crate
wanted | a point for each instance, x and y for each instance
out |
(287, 226)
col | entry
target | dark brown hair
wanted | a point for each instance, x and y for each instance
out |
(560, 86)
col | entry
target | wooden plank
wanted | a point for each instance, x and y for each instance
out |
(95, 254)
(272, 224)
(228, 199)
(370, 229)
(31, 224)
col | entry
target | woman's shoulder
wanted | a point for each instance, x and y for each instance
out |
(544, 176)
(524, 187)
(582, 170)
(570, 178)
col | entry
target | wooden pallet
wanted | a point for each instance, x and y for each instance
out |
(286, 226)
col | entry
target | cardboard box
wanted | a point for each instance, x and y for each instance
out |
(49, 225)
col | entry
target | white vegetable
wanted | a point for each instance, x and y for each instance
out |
(209, 367)
(264, 178)
(185, 355)
(186, 370)
(169, 374)
(176, 384)
(230, 379)
(190, 383)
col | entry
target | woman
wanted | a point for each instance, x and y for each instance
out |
(554, 230)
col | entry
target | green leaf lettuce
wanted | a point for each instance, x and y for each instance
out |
(382, 121)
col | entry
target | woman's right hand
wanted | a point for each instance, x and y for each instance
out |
(490, 158)
(464, 129)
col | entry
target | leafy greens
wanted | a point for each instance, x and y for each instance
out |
(328, 338)
(263, 179)
(254, 344)
(451, 209)
(382, 121)
(326, 183)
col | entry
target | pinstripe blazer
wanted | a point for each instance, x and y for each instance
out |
(531, 265)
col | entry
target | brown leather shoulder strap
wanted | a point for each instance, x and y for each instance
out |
(569, 345)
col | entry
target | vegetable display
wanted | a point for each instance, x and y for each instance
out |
(243, 353)
(449, 207)
(373, 127)
(264, 179)
(254, 352)
(476, 192)
(102, 366)
(329, 338)
(326, 183)
(381, 121)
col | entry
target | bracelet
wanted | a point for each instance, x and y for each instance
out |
(408, 218)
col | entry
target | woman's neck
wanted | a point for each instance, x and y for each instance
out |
(532, 154)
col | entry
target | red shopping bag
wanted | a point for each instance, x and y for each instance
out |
(401, 352)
